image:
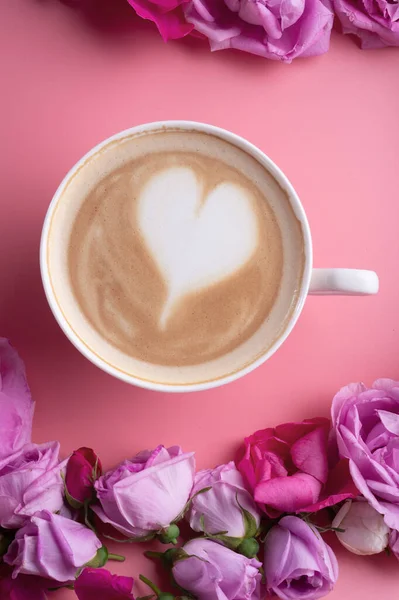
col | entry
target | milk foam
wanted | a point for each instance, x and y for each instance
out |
(202, 290)
(197, 239)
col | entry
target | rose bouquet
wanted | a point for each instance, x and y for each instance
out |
(256, 522)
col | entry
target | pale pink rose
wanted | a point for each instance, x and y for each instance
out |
(364, 530)
(226, 506)
(52, 546)
(145, 495)
(16, 404)
(30, 480)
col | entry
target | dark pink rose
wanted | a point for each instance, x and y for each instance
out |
(366, 422)
(100, 584)
(280, 30)
(287, 468)
(166, 14)
(83, 469)
(16, 404)
(374, 22)
(23, 587)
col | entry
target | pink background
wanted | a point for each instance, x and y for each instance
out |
(331, 123)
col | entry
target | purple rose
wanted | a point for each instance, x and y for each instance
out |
(213, 571)
(100, 584)
(375, 23)
(394, 543)
(143, 496)
(16, 404)
(280, 30)
(227, 506)
(52, 546)
(298, 563)
(366, 423)
(30, 480)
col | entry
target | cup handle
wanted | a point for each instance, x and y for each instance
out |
(343, 282)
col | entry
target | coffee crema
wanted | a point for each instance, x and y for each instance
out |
(176, 258)
(179, 250)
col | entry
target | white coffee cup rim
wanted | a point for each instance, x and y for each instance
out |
(296, 205)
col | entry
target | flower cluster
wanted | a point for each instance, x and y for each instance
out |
(256, 522)
(280, 29)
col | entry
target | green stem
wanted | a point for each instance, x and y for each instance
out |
(151, 554)
(116, 557)
(151, 585)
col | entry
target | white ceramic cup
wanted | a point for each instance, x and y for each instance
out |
(314, 281)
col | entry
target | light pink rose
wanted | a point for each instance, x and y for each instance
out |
(30, 480)
(221, 507)
(366, 422)
(145, 495)
(52, 546)
(374, 22)
(16, 404)
(280, 30)
(166, 14)
(364, 530)
(287, 468)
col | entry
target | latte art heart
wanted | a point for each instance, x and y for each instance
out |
(197, 236)
(175, 256)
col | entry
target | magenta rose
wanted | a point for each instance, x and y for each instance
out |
(142, 497)
(83, 469)
(299, 565)
(23, 587)
(287, 468)
(209, 570)
(366, 422)
(100, 584)
(30, 480)
(16, 404)
(278, 30)
(52, 546)
(166, 14)
(374, 22)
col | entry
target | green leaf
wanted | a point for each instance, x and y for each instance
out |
(187, 506)
(250, 524)
(100, 558)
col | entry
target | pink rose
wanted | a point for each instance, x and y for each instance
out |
(299, 565)
(166, 14)
(100, 584)
(280, 30)
(30, 480)
(16, 404)
(287, 468)
(375, 23)
(83, 469)
(226, 506)
(210, 571)
(145, 495)
(51, 546)
(366, 422)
